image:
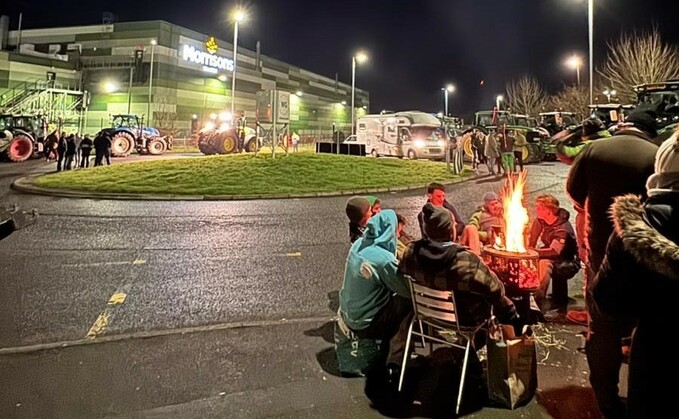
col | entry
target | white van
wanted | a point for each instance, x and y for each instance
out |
(410, 134)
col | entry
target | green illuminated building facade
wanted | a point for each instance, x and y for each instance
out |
(192, 77)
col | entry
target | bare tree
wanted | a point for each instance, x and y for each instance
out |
(636, 59)
(526, 96)
(570, 99)
(165, 116)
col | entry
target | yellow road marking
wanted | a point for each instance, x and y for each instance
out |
(139, 262)
(294, 254)
(99, 325)
(117, 298)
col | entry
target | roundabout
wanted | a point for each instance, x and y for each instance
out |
(245, 176)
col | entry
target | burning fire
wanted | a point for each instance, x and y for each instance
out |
(515, 214)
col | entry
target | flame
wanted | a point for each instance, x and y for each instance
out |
(515, 214)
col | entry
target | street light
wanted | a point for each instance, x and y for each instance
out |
(498, 99)
(590, 26)
(449, 88)
(238, 16)
(609, 93)
(148, 107)
(574, 62)
(359, 57)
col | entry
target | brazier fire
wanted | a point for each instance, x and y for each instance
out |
(508, 258)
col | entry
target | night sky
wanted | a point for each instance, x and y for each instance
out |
(415, 47)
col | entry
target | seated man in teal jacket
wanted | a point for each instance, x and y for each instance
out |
(375, 298)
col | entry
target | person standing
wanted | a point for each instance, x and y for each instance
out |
(71, 150)
(86, 146)
(603, 170)
(519, 143)
(99, 148)
(107, 149)
(295, 142)
(61, 151)
(492, 152)
(506, 149)
(639, 278)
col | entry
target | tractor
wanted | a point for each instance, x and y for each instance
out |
(518, 125)
(128, 132)
(663, 98)
(21, 136)
(218, 136)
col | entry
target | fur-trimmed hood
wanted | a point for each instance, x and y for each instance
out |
(648, 246)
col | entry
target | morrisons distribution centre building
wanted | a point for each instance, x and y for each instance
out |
(82, 75)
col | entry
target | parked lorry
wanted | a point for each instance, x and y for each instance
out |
(21, 136)
(224, 134)
(412, 134)
(128, 133)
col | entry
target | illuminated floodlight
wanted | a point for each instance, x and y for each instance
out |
(110, 86)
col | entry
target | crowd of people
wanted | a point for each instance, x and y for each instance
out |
(72, 151)
(625, 190)
(501, 150)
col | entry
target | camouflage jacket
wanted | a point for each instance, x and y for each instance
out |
(450, 267)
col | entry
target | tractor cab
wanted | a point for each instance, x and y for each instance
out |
(557, 121)
(663, 98)
(610, 114)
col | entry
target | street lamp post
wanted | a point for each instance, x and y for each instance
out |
(590, 25)
(498, 99)
(238, 16)
(148, 107)
(359, 57)
(575, 62)
(449, 88)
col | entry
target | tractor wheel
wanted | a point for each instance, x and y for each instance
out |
(121, 144)
(20, 149)
(467, 145)
(156, 147)
(226, 142)
(251, 146)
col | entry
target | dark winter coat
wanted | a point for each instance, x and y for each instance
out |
(449, 267)
(561, 232)
(639, 278)
(602, 171)
(459, 224)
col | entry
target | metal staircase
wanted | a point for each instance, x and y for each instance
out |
(42, 97)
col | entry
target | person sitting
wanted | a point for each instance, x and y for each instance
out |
(558, 251)
(437, 262)
(485, 223)
(375, 204)
(436, 195)
(374, 301)
(358, 210)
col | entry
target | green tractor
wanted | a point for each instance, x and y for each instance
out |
(663, 98)
(21, 136)
(519, 126)
(610, 114)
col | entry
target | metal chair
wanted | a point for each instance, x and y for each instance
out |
(437, 310)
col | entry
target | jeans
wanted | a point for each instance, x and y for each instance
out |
(391, 323)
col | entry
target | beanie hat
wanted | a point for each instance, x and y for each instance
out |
(357, 206)
(372, 200)
(644, 119)
(592, 126)
(490, 197)
(438, 223)
(666, 176)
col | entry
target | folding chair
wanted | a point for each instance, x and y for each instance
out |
(437, 309)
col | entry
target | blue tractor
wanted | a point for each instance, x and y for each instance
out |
(128, 132)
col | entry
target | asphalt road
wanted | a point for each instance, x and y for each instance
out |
(203, 309)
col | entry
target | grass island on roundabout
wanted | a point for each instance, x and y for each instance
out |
(247, 175)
